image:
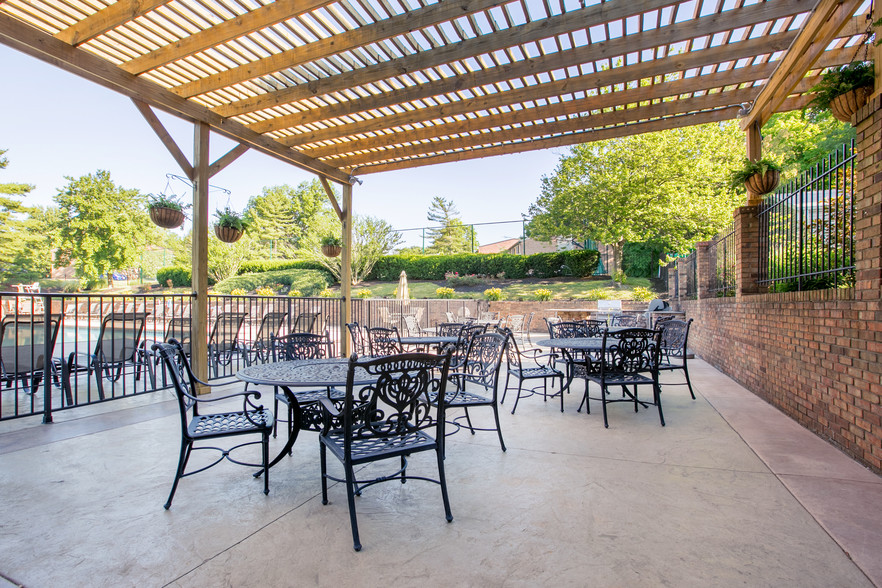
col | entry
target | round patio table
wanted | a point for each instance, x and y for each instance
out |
(301, 373)
(428, 340)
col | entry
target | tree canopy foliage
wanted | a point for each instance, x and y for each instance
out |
(452, 236)
(102, 226)
(799, 139)
(281, 215)
(24, 238)
(667, 187)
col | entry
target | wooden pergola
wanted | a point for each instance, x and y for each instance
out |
(346, 87)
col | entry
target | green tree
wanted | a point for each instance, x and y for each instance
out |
(372, 239)
(103, 227)
(800, 140)
(667, 187)
(282, 215)
(13, 226)
(452, 236)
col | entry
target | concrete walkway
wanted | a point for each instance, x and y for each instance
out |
(730, 493)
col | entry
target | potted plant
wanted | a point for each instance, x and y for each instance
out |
(759, 177)
(230, 226)
(843, 90)
(332, 246)
(166, 211)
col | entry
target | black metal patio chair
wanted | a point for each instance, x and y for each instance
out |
(252, 419)
(118, 345)
(383, 341)
(177, 328)
(674, 353)
(530, 364)
(360, 344)
(478, 381)
(260, 349)
(223, 343)
(22, 349)
(629, 358)
(391, 419)
(302, 346)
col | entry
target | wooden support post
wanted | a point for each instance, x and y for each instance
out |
(199, 310)
(754, 153)
(346, 269)
(876, 51)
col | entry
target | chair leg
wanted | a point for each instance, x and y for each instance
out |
(504, 390)
(603, 393)
(443, 483)
(186, 446)
(520, 385)
(688, 381)
(265, 444)
(350, 496)
(498, 428)
(656, 390)
(561, 392)
(324, 465)
(403, 469)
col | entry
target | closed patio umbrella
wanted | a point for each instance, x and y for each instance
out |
(403, 292)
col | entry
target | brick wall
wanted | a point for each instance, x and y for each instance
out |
(815, 355)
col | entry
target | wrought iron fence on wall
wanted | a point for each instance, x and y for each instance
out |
(689, 266)
(721, 253)
(807, 228)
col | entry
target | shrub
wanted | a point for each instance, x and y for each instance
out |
(579, 263)
(364, 293)
(643, 294)
(443, 292)
(543, 294)
(326, 293)
(620, 277)
(453, 279)
(309, 282)
(599, 294)
(180, 276)
(238, 292)
(268, 265)
(494, 294)
(265, 291)
(294, 292)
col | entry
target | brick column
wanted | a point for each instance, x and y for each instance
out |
(673, 291)
(868, 201)
(682, 280)
(706, 270)
(748, 251)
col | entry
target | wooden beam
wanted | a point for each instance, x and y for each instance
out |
(526, 115)
(877, 48)
(107, 19)
(821, 27)
(265, 16)
(561, 141)
(489, 43)
(346, 269)
(228, 158)
(332, 198)
(199, 257)
(406, 22)
(616, 75)
(579, 124)
(37, 44)
(165, 137)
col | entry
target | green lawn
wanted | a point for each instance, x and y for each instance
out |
(562, 289)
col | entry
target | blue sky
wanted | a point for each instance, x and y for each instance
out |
(54, 124)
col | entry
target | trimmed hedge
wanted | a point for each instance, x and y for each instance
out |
(309, 282)
(180, 276)
(577, 263)
(268, 265)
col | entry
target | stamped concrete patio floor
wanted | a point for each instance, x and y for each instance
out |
(730, 493)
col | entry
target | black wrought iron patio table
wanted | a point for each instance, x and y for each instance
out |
(301, 373)
(429, 340)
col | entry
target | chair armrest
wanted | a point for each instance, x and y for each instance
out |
(246, 396)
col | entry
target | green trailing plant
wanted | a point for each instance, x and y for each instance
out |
(332, 241)
(738, 176)
(230, 218)
(172, 201)
(837, 81)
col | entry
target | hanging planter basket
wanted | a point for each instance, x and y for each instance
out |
(763, 183)
(167, 218)
(228, 234)
(331, 250)
(845, 105)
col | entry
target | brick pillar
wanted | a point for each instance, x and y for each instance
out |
(868, 201)
(706, 269)
(682, 280)
(748, 251)
(673, 290)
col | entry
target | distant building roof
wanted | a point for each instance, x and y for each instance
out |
(499, 247)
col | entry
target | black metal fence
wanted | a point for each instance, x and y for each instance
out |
(722, 254)
(99, 346)
(807, 228)
(689, 266)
